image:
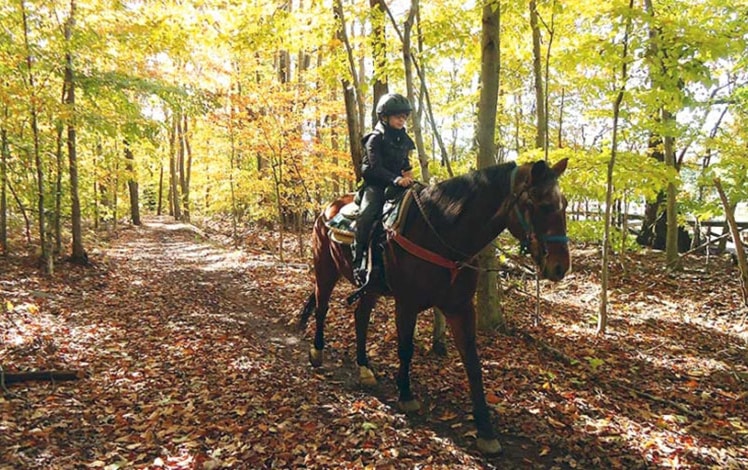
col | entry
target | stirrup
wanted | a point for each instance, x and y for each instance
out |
(360, 277)
(374, 279)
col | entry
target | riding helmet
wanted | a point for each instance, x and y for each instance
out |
(393, 103)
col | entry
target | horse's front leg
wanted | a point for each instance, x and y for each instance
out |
(462, 323)
(362, 316)
(406, 323)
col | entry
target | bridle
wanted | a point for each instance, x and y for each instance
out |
(527, 227)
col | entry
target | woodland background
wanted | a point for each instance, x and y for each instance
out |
(253, 111)
(245, 118)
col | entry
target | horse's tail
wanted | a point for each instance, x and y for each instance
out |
(306, 312)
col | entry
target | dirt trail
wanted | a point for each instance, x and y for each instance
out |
(190, 365)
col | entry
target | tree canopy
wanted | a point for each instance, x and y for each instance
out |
(238, 108)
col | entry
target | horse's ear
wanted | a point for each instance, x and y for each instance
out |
(560, 166)
(538, 171)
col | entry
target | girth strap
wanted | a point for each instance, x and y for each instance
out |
(426, 255)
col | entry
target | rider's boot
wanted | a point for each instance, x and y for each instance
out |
(359, 264)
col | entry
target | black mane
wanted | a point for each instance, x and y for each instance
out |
(446, 201)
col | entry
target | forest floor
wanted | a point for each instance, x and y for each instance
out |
(189, 357)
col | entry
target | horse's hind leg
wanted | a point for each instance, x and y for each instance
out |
(363, 315)
(326, 278)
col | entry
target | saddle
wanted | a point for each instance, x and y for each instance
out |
(343, 225)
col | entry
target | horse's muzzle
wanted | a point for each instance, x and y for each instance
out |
(556, 266)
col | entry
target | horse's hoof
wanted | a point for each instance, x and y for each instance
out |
(489, 446)
(315, 356)
(439, 349)
(409, 406)
(366, 377)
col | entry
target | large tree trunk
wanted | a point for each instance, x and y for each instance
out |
(648, 234)
(352, 96)
(488, 301)
(671, 243)
(379, 48)
(540, 114)
(186, 169)
(658, 72)
(176, 210)
(78, 254)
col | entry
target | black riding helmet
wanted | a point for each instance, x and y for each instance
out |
(393, 103)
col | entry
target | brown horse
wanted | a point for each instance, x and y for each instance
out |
(449, 225)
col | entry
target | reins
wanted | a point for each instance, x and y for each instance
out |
(455, 266)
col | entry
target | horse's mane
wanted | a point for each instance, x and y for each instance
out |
(446, 201)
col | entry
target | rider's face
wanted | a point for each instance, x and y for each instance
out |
(397, 121)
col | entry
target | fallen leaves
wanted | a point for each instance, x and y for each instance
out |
(191, 364)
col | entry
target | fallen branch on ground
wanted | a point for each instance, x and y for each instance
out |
(48, 375)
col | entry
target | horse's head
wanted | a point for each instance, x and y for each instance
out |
(538, 217)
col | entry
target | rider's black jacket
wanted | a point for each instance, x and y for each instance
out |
(385, 155)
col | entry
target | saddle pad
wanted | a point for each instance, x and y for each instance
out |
(343, 228)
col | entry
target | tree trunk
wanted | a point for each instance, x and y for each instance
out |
(96, 184)
(4, 157)
(114, 202)
(560, 142)
(416, 119)
(24, 212)
(186, 171)
(379, 56)
(58, 182)
(232, 165)
(176, 210)
(132, 185)
(488, 301)
(602, 319)
(648, 234)
(540, 115)
(181, 167)
(438, 340)
(78, 254)
(159, 206)
(423, 158)
(35, 136)
(739, 251)
(656, 54)
(352, 95)
(671, 240)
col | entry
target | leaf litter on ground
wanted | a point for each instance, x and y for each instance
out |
(191, 360)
